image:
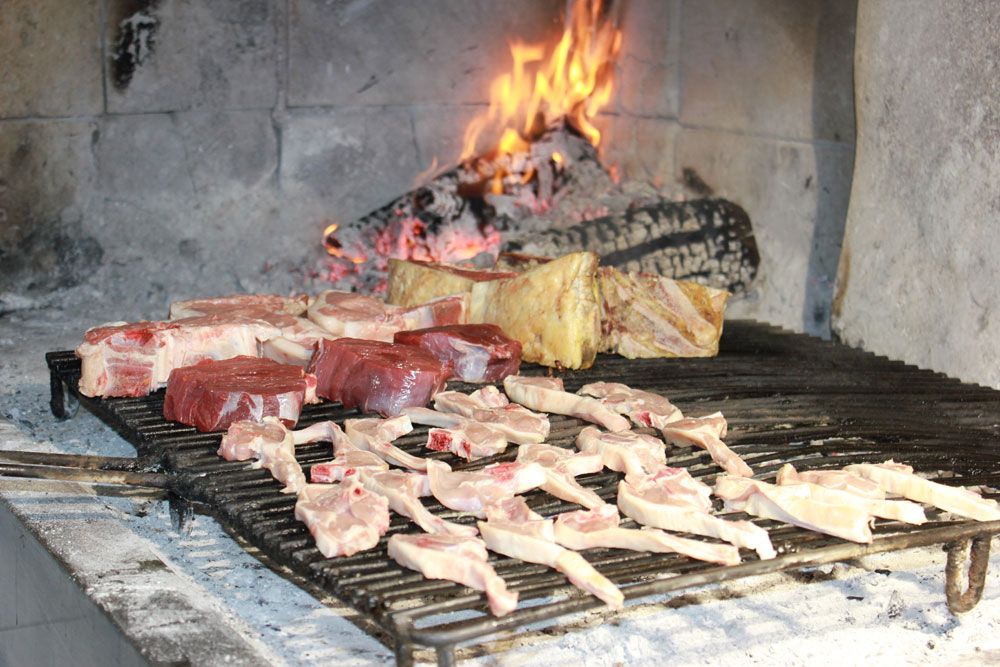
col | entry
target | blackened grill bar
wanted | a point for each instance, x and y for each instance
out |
(788, 398)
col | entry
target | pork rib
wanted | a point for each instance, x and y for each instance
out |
(403, 490)
(628, 452)
(644, 408)
(343, 518)
(705, 432)
(539, 394)
(561, 468)
(376, 436)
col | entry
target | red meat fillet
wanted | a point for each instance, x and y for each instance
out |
(476, 352)
(376, 376)
(211, 395)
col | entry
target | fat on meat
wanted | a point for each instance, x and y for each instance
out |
(464, 437)
(644, 408)
(350, 315)
(404, 490)
(289, 305)
(540, 394)
(463, 560)
(473, 492)
(279, 458)
(629, 452)
(346, 463)
(831, 479)
(244, 438)
(706, 432)
(562, 466)
(475, 352)
(376, 436)
(343, 518)
(899, 510)
(518, 424)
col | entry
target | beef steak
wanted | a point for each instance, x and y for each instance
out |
(476, 352)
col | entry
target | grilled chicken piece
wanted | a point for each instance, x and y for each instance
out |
(795, 505)
(343, 518)
(705, 432)
(488, 406)
(899, 510)
(672, 500)
(403, 490)
(514, 530)
(899, 480)
(629, 452)
(473, 491)
(644, 408)
(542, 395)
(561, 467)
(840, 480)
(376, 435)
(599, 528)
(453, 558)
(347, 462)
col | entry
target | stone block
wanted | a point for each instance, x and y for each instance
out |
(919, 271)
(212, 54)
(781, 68)
(228, 152)
(51, 55)
(649, 61)
(432, 52)
(796, 195)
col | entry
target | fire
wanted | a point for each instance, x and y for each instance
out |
(574, 81)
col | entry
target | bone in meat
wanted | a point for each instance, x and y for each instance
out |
(561, 468)
(519, 425)
(628, 452)
(644, 408)
(453, 558)
(279, 457)
(350, 315)
(343, 518)
(403, 490)
(376, 436)
(346, 463)
(900, 480)
(899, 510)
(599, 528)
(538, 394)
(473, 491)
(244, 438)
(705, 432)
(463, 437)
(832, 479)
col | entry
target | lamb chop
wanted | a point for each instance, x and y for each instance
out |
(628, 452)
(488, 406)
(343, 518)
(899, 479)
(465, 438)
(376, 436)
(561, 467)
(403, 490)
(244, 438)
(546, 395)
(473, 491)
(673, 500)
(705, 432)
(832, 479)
(599, 528)
(899, 510)
(347, 462)
(279, 458)
(514, 530)
(644, 408)
(463, 560)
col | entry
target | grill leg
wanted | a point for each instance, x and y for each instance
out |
(404, 654)
(446, 656)
(62, 403)
(978, 549)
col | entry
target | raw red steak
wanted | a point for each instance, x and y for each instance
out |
(211, 395)
(376, 376)
(476, 352)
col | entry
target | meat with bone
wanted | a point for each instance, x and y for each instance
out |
(519, 425)
(599, 528)
(466, 438)
(541, 395)
(899, 479)
(350, 315)
(244, 438)
(412, 282)
(343, 518)
(376, 436)
(562, 466)
(514, 530)
(375, 376)
(628, 452)
(290, 305)
(403, 490)
(831, 479)
(644, 408)
(463, 560)
(476, 352)
(673, 500)
(472, 492)
(347, 462)
(705, 432)
(898, 510)
(211, 395)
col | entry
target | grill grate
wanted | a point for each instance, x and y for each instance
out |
(787, 397)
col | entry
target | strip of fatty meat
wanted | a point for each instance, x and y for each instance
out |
(706, 432)
(464, 437)
(514, 530)
(290, 305)
(472, 492)
(562, 466)
(463, 560)
(898, 510)
(475, 352)
(628, 452)
(488, 406)
(794, 505)
(599, 527)
(831, 479)
(404, 490)
(343, 518)
(899, 480)
(673, 500)
(377, 377)
(376, 436)
(244, 438)
(351, 315)
(644, 408)
(539, 394)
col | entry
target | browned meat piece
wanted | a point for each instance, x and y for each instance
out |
(412, 282)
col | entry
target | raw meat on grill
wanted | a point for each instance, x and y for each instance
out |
(346, 463)
(351, 315)
(211, 395)
(540, 394)
(519, 425)
(794, 505)
(705, 432)
(290, 305)
(464, 437)
(412, 282)
(463, 560)
(476, 352)
(562, 466)
(404, 490)
(673, 500)
(514, 530)
(343, 518)
(644, 408)
(376, 436)
(244, 438)
(472, 492)
(279, 457)
(899, 480)
(376, 376)
(831, 479)
(629, 452)
(599, 528)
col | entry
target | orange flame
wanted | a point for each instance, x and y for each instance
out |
(574, 82)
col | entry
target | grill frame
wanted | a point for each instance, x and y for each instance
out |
(828, 402)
